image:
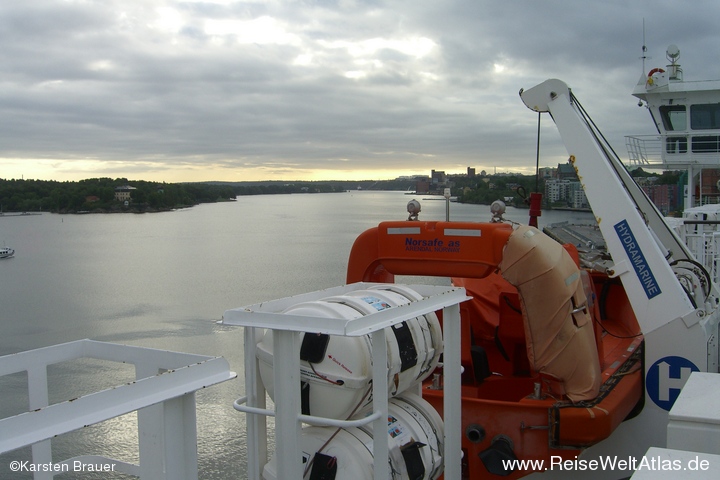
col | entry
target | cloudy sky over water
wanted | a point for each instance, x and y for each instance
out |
(329, 89)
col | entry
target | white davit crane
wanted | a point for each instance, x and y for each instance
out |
(675, 301)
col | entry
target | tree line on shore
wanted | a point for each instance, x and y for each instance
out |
(97, 195)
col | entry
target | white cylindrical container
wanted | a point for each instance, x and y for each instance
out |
(336, 371)
(416, 445)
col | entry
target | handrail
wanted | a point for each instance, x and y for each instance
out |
(673, 150)
(309, 419)
(163, 393)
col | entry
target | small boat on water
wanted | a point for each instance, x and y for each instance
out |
(6, 252)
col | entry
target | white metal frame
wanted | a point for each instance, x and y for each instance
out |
(705, 245)
(163, 394)
(286, 340)
(644, 150)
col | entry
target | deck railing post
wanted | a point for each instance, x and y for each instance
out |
(180, 438)
(452, 402)
(38, 398)
(380, 403)
(167, 436)
(150, 432)
(286, 345)
(256, 424)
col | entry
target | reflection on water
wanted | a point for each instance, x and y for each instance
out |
(163, 281)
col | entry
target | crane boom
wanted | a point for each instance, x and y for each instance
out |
(639, 240)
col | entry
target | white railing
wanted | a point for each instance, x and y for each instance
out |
(705, 247)
(644, 150)
(673, 151)
(286, 341)
(163, 393)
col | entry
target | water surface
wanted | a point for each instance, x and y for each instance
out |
(163, 280)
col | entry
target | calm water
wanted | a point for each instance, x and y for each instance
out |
(163, 281)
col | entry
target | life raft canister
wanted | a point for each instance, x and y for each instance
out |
(415, 439)
(336, 371)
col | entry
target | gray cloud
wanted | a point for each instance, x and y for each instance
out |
(276, 88)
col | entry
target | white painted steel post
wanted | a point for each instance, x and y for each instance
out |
(167, 436)
(150, 428)
(452, 403)
(180, 438)
(689, 201)
(38, 398)
(256, 424)
(380, 403)
(286, 347)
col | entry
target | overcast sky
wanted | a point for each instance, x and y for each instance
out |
(277, 89)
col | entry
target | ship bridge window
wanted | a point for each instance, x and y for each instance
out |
(676, 144)
(674, 117)
(705, 117)
(706, 144)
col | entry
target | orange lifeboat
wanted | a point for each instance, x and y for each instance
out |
(551, 353)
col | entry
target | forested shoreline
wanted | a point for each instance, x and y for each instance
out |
(98, 195)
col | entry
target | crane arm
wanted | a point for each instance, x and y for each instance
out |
(636, 235)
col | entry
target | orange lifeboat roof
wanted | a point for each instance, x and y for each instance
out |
(463, 249)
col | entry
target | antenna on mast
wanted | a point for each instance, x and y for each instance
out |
(644, 49)
(643, 57)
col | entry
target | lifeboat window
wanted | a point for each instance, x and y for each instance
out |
(674, 117)
(705, 117)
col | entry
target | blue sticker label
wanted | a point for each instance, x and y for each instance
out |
(379, 305)
(642, 269)
(665, 379)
